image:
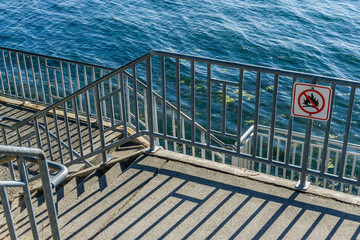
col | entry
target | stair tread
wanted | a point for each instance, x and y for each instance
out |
(83, 190)
(93, 212)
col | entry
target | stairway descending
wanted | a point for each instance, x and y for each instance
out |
(81, 196)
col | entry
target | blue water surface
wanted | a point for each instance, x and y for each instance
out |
(320, 37)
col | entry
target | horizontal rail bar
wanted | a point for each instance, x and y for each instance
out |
(12, 183)
(55, 58)
(256, 68)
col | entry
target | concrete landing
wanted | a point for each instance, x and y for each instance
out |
(188, 201)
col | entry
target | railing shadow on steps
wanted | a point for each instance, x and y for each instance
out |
(35, 156)
(153, 97)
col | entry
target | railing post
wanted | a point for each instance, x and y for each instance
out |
(303, 184)
(45, 180)
(150, 103)
(100, 122)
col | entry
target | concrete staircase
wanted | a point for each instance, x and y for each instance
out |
(80, 199)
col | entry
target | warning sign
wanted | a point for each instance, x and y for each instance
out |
(311, 101)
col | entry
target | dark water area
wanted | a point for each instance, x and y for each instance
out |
(321, 37)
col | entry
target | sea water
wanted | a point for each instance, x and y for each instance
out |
(321, 37)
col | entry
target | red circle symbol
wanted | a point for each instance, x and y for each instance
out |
(311, 102)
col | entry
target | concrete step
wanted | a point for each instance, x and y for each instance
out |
(88, 216)
(20, 214)
(72, 190)
(40, 209)
(83, 188)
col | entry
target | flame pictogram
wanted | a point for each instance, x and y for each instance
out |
(308, 103)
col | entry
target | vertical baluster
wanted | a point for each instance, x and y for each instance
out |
(62, 79)
(66, 120)
(34, 78)
(223, 123)
(37, 133)
(352, 172)
(163, 103)
(150, 102)
(27, 197)
(347, 132)
(19, 137)
(193, 132)
(78, 87)
(99, 118)
(127, 92)
(59, 143)
(2, 83)
(6, 72)
(155, 115)
(17, 62)
(10, 163)
(273, 119)
(41, 79)
(102, 86)
(27, 77)
(13, 74)
(239, 112)
(19, 75)
(123, 108)
(183, 133)
(48, 80)
(256, 114)
(120, 119)
(111, 102)
(48, 137)
(327, 131)
(318, 165)
(173, 127)
(293, 160)
(208, 121)
(7, 212)
(290, 129)
(145, 109)
(135, 98)
(202, 139)
(87, 108)
(327, 166)
(335, 168)
(70, 79)
(156, 119)
(178, 99)
(56, 84)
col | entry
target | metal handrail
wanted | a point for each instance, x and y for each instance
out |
(207, 133)
(288, 73)
(56, 58)
(80, 91)
(35, 156)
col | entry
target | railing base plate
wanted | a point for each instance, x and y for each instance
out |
(302, 187)
(154, 150)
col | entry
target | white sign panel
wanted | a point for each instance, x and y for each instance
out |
(311, 101)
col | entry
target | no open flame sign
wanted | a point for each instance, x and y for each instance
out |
(311, 101)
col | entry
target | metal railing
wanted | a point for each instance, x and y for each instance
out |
(44, 79)
(204, 107)
(296, 151)
(35, 156)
